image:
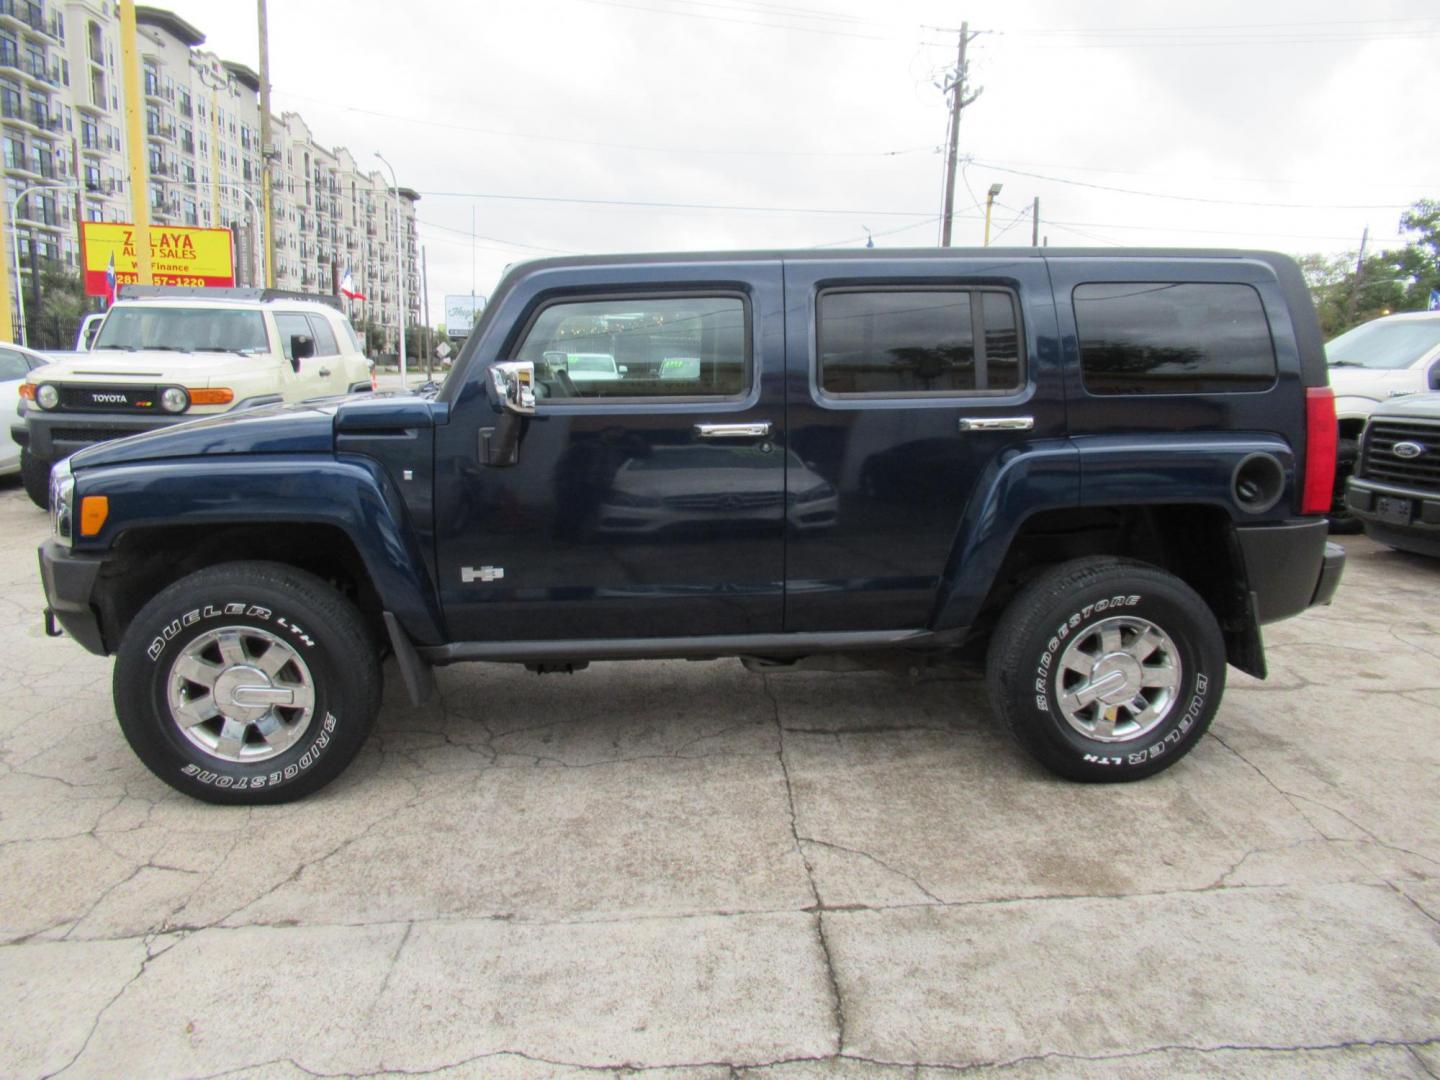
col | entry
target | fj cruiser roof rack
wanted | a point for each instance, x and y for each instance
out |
(200, 292)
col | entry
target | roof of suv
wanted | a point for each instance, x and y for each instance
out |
(225, 303)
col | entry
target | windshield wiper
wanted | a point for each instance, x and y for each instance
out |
(1346, 363)
(119, 348)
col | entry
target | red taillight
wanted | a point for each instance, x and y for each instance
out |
(1321, 435)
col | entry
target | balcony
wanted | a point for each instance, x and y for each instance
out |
(28, 14)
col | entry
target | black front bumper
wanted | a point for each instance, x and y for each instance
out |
(1408, 519)
(1290, 566)
(69, 581)
(51, 436)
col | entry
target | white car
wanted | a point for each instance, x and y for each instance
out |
(163, 356)
(1376, 361)
(16, 363)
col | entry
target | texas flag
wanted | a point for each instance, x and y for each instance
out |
(347, 286)
(110, 281)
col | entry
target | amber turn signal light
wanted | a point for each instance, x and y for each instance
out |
(94, 509)
(27, 391)
(218, 396)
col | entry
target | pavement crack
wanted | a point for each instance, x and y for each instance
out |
(151, 955)
(876, 860)
(837, 1002)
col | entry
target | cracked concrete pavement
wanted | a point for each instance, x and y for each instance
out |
(692, 871)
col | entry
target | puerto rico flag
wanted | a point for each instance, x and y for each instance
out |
(110, 281)
(347, 286)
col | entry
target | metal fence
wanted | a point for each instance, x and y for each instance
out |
(51, 331)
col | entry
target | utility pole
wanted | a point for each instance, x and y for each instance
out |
(1035, 223)
(135, 140)
(959, 99)
(7, 319)
(425, 300)
(1354, 300)
(267, 209)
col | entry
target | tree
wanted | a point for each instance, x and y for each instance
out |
(62, 304)
(1397, 279)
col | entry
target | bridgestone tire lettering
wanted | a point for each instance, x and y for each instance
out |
(324, 627)
(1045, 617)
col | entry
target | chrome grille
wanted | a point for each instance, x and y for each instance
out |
(749, 500)
(1381, 464)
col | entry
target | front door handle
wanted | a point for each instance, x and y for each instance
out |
(733, 431)
(997, 423)
(324, 371)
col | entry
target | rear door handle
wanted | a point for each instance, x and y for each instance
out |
(997, 423)
(733, 431)
(324, 371)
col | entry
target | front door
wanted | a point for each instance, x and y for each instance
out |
(647, 495)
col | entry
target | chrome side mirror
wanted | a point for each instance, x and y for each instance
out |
(514, 382)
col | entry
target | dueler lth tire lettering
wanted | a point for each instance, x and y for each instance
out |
(1144, 660)
(230, 620)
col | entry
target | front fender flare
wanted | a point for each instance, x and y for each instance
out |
(352, 494)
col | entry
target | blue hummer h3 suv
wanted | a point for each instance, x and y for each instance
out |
(1097, 473)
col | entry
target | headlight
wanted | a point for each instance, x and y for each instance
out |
(173, 399)
(815, 494)
(62, 501)
(46, 396)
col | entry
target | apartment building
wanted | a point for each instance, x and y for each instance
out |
(62, 121)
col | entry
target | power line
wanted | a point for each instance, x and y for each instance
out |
(823, 211)
(716, 150)
(1219, 26)
(887, 232)
(1200, 176)
(1190, 198)
(744, 22)
(496, 239)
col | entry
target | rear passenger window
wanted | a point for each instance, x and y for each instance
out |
(323, 335)
(1173, 338)
(640, 347)
(921, 341)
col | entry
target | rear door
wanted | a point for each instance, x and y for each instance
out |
(316, 375)
(647, 498)
(910, 380)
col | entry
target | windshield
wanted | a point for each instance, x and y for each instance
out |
(592, 362)
(183, 330)
(1381, 344)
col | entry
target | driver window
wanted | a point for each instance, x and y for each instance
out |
(640, 347)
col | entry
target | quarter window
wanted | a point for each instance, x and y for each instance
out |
(1173, 338)
(629, 347)
(922, 341)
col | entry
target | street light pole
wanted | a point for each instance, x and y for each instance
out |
(399, 260)
(15, 236)
(989, 207)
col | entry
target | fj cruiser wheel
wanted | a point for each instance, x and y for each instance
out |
(35, 476)
(1107, 669)
(250, 682)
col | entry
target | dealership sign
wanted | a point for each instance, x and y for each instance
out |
(179, 255)
(461, 313)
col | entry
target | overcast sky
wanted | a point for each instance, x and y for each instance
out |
(795, 123)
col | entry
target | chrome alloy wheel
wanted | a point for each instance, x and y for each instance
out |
(241, 694)
(1118, 679)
